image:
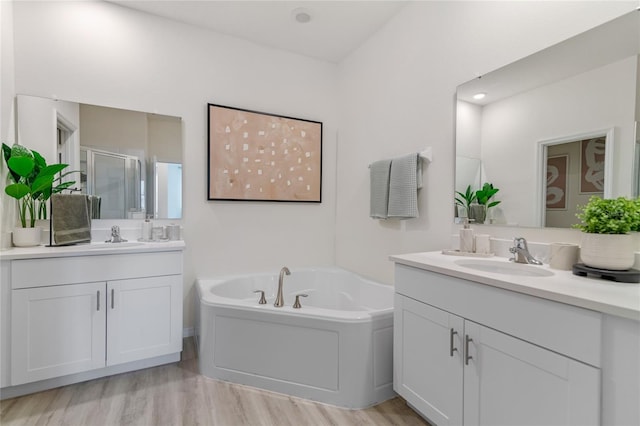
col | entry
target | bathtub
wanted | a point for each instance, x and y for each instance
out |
(336, 349)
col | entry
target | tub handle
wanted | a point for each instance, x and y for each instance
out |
(262, 300)
(297, 304)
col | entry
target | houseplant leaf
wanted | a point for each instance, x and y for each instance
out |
(22, 166)
(17, 190)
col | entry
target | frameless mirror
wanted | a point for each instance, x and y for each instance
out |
(132, 160)
(550, 123)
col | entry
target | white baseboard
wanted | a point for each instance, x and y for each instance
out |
(187, 332)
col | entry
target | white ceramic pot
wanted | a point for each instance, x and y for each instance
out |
(607, 251)
(27, 237)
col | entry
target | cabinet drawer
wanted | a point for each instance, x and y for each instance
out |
(569, 330)
(70, 270)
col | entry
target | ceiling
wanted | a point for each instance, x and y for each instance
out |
(336, 28)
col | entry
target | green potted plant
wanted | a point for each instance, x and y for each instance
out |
(31, 183)
(606, 223)
(484, 203)
(465, 199)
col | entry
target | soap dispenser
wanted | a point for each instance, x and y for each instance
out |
(147, 226)
(466, 237)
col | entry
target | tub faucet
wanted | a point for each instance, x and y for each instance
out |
(521, 253)
(279, 298)
(115, 235)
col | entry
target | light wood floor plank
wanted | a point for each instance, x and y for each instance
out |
(176, 394)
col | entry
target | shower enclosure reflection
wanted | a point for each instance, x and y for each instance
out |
(132, 160)
(116, 179)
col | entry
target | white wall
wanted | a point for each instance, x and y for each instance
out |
(104, 54)
(397, 95)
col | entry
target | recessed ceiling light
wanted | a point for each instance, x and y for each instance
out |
(479, 96)
(301, 15)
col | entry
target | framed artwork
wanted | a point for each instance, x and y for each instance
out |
(255, 156)
(557, 169)
(592, 155)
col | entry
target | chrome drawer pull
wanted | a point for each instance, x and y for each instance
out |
(467, 357)
(452, 349)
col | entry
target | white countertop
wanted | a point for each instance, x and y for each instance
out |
(618, 299)
(90, 249)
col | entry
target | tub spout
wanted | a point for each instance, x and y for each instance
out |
(279, 298)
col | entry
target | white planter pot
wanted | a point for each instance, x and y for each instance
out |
(607, 251)
(27, 237)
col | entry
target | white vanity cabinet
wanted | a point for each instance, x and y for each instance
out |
(469, 354)
(87, 316)
(57, 331)
(144, 318)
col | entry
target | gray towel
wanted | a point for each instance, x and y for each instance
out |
(379, 177)
(94, 206)
(404, 181)
(70, 219)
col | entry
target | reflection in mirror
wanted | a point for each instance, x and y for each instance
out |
(574, 169)
(468, 172)
(115, 150)
(577, 87)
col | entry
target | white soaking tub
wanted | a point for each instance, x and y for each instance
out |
(337, 348)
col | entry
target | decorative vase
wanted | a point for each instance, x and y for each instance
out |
(27, 237)
(607, 251)
(477, 213)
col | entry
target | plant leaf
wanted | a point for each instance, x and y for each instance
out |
(52, 169)
(40, 183)
(6, 151)
(22, 166)
(17, 190)
(63, 186)
(39, 160)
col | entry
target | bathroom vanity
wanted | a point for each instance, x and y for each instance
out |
(76, 313)
(491, 342)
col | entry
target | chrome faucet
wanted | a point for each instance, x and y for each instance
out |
(115, 235)
(521, 253)
(279, 298)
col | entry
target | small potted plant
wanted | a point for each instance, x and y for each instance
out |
(465, 199)
(606, 241)
(31, 183)
(483, 198)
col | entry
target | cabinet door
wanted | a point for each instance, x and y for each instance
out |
(428, 360)
(57, 331)
(511, 382)
(144, 318)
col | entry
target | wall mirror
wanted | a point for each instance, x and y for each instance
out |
(132, 160)
(527, 126)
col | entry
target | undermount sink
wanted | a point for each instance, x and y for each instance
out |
(502, 267)
(126, 244)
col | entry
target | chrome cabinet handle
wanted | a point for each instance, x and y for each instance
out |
(452, 349)
(467, 357)
(112, 298)
(98, 300)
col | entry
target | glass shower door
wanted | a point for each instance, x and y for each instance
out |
(116, 179)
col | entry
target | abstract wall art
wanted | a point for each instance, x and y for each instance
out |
(592, 165)
(557, 168)
(256, 156)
